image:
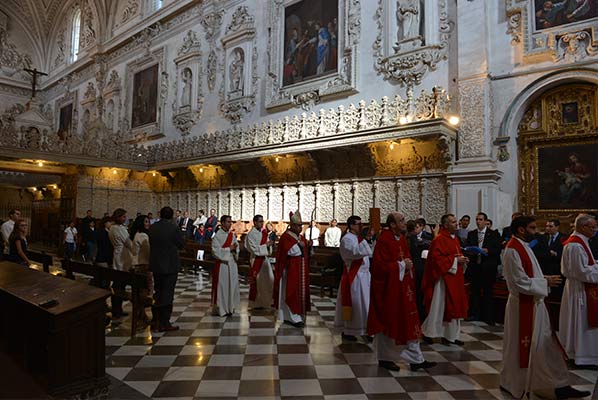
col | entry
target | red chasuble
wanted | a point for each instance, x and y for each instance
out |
(216, 269)
(393, 310)
(255, 269)
(349, 274)
(441, 258)
(297, 289)
(590, 288)
(526, 306)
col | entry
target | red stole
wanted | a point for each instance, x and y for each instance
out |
(216, 269)
(297, 289)
(441, 257)
(526, 305)
(349, 274)
(255, 268)
(590, 288)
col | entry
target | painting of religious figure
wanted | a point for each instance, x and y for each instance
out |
(570, 113)
(65, 121)
(553, 13)
(145, 97)
(310, 40)
(568, 177)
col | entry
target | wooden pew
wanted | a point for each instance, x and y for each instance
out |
(326, 269)
(41, 257)
(101, 276)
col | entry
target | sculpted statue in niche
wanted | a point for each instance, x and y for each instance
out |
(110, 115)
(235, 71)
(187, 77)
(410, 20)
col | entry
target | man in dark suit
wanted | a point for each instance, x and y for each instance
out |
(166, 239)
(555, 239)
(482, 269)
(186, 225)
(418, 242)
(506, 232)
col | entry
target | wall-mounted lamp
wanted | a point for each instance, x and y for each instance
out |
(40, 164)
(454, 120)
(276, 158)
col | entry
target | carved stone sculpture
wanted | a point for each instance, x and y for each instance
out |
(187, 78)
(235, 71)
(408, 15)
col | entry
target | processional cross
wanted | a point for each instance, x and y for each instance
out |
(34, 73)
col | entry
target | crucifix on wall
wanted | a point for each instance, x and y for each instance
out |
(34, 73)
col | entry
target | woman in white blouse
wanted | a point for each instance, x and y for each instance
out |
(140, 252)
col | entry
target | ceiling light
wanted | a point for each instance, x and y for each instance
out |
(40, 164)
(454, 120)
(114, 171)
(403, 120)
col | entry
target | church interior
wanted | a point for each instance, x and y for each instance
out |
(326, 109)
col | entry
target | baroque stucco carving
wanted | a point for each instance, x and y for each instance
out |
(472, 97)
(211, 23)
(12, 59)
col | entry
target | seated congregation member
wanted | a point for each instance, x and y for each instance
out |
(578, 321)
(225, 274)
(482, 270)
(443, 285)
(201, 235)
(17, 244)
(532, 358)
(291, 278)
(200, 220)
(261, 275)
(332, 236)
(392, 317)
(211, 223)
(165, 241)
(353, 300)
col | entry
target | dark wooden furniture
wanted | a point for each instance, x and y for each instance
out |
(41, 257)
(61, 346)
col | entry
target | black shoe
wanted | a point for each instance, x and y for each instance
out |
(423, 365)
(230, 314)
(472, 318)
(295, 324)
(568, 392)
(427, 340)
(447, 342)
(368, 339)
(590, 367)
(348, 338)
(389, 365)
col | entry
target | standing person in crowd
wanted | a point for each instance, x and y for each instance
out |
(578, 320)
(506, 232)
(332, 236)
(150, 215)
(555, 239)
(532, 359)
(313, 233)
(200, 235)
(105, 251)
(211, 223)
(89, 237)
(165, 241)
(7, 228)
(417, 244)
(272, 238)
(225, 274)
(70, 240)
(353, 300)
(392, 317)
(200, 220)
(18, 244)
(186, 225)
(178, 218)
(482, 270)
(121, 259)
(463, 231)
(291, 279)
(261, 276)
(83, 228)
(443, 285)
(140, 253)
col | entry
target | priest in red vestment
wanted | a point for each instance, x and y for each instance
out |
(291, 278)
(393, 317)
(443, 285)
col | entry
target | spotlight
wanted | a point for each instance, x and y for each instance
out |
(201, 170)
(403, 120)
(153, 174)
(454, 120)
(276, 159)
(40, 164)
(34, 189)
(114, 171)
(392, 145)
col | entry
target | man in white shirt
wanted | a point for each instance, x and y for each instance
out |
(260, 274)
(8, 226)
(200, 220)
(225, 274)
(70, 240)
(578, 321)
(332, 236)
(532, 359)
(122, 259)
(313, 233)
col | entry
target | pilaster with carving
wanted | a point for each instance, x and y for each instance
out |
(211, 23)
(473, 100)
(187, 105)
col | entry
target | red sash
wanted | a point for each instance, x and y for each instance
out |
(349, 274)
(216, 269)
(255, 269)
(526, 306)
(590, 288)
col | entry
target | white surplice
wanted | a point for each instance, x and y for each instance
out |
(284, 312)
(547, 368)
(580, 343)
(228, 279)
(265, 278)
(332, 237)
(435, 326)
(351, 250)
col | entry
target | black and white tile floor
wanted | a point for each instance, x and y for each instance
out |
(251, 356)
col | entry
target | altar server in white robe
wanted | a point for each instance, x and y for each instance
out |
(225, 275)
(261, 276)
(578, 321)
(532, 359)
(353, 300)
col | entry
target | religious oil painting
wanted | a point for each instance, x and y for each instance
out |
(570, 113)
(310, 40)
(145, 97)
(550, 14)
(65, 122)
(568, 177)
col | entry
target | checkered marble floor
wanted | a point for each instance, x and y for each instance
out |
(251, 356)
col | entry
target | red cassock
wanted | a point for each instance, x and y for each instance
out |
(297, 289)
(441, 257)
(393, 310)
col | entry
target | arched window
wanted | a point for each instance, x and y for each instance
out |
(75, 33)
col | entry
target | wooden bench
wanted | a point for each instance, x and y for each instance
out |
(189, 259)
(40, 257)
(101, 276)
(326, 269)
